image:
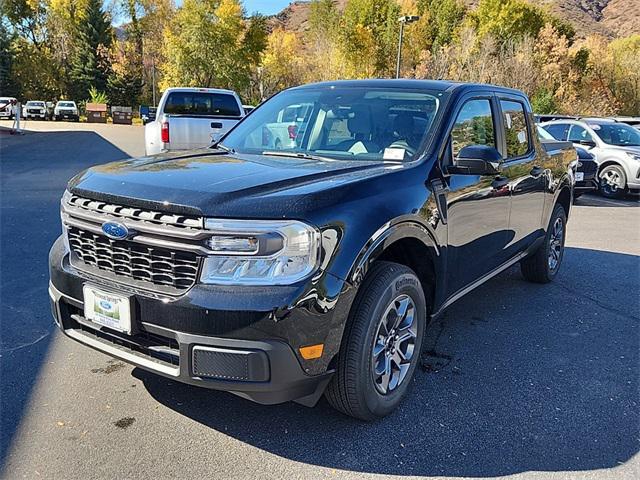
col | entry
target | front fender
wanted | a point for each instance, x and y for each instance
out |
(385, 236)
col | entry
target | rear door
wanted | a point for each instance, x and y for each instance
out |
(525, 170)
(198, 118)
(477, 205)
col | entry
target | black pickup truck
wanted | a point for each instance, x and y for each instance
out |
(283, 268)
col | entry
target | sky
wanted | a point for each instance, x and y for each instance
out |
(265, 7)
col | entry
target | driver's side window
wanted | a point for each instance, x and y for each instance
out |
(473, 126)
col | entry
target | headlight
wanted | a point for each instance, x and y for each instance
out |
(245, 252)
(634, 156)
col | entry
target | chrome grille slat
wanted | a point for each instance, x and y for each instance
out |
(127, 259)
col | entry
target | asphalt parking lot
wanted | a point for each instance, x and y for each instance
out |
(536, 381)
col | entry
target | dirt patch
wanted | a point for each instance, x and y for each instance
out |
(125, 422)
(113, 366)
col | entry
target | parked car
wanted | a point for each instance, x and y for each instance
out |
(283, 274)
(191, 118)
(550, 117)
(66, 109)
(34, 109)
(615, 146)
(631, 121)
(586, 167)
(6, 107)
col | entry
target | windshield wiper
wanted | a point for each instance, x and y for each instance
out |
(220, 146)
(302, 155)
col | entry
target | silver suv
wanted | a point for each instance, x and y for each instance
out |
(615, 146)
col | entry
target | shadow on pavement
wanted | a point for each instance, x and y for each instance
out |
(516, 377)
(34, 170)
(596, 200)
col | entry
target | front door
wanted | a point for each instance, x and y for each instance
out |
(477, 205)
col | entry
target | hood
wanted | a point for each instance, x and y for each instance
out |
(212, 183)
(630, 149)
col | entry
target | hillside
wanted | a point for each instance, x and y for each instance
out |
(612, 18)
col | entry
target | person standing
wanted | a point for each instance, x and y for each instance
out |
(17, 110)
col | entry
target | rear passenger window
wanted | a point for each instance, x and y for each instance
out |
(202, 104)
(560, 131)
(474, 126)
(515, 128)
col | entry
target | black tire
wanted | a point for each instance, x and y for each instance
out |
(353, 390)
(612, 181)
(539, 267)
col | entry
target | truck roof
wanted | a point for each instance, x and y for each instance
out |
(438, 85)
(199, 89)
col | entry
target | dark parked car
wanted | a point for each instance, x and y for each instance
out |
(282, 274)
(586, 168)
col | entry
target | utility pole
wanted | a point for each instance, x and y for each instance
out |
(153, 81)
(405, 19)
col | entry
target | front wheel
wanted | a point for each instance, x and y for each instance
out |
(544, 264)
(613, 181)
(381, 345)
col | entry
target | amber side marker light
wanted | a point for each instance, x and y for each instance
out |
(312, 351)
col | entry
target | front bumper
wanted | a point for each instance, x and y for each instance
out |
(252, 354)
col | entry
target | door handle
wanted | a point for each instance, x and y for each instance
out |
(536, 171)
(500, 182)
(216, 124)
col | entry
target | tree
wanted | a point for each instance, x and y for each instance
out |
(369, 35)
(508, 19)
(210, 44)
(8, 85)
(282, 67)
(91, 63)
(444, 17)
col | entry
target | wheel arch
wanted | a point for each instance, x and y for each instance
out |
(407, 243)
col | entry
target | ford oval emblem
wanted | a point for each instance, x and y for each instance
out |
(106, 305)
(115, 230)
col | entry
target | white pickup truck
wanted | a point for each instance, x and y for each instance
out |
(191, 118)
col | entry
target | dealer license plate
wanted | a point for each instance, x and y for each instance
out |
(579, 176)
(107, 309)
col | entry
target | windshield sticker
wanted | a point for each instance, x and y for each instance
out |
(522, 136)
(594, 126)
(393, 154)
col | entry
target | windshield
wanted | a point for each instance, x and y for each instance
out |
(618, 134)
(35, 104)
(67, 104)
(344, 123)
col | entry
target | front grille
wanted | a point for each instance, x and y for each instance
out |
(130, 260)
(138, 214)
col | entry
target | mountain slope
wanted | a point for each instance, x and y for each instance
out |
(612, 18)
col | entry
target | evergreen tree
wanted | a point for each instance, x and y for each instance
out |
(8, 85)
(90, 64)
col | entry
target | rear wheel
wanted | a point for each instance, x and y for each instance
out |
(381, 345)
(613, 181)
(543, 266)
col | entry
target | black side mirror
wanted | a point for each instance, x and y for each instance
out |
(476, 160)
(587, 143)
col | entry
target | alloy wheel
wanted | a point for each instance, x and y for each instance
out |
(394, 344)
(556, 244)
(611, 181)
